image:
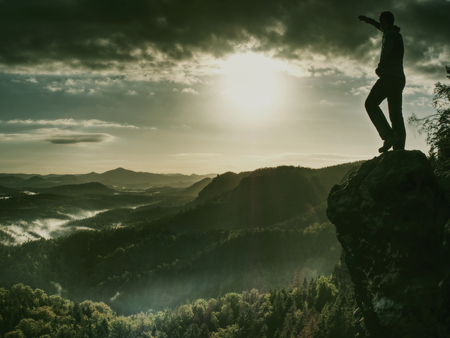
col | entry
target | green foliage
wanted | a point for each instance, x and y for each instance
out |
(437, 127)
(325, 290)
(131, 267)
(261, 198)
(220, 184)
(15, 334)
(231, 331)
(279, 313)
(268, 230)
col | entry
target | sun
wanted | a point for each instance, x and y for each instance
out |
(251, 81)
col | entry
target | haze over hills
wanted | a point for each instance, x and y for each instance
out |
(119, 178)
(51, 212)
(326, 177)
(253, 230)
(221, 183)
(196, 188)
(8, 179)
(274, 195)
(80, 189)
(262, 198)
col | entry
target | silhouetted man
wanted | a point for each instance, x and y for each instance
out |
(389, 85)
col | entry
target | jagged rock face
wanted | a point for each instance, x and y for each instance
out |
(390, 218)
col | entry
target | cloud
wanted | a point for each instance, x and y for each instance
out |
(57, 136)
(325, 102)
(60, 136)
(167, 39)
(75, 91)
(363, 90)
(189, 91)
(421, 101)
(78, 138)
(416, 90)
(76, 84)
(9, 137)
(115, 296)
(53, 89)
(71, 123)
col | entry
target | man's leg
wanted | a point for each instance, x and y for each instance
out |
(376, 96)
(395, 112)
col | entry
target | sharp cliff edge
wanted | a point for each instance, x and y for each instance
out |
(390, 218)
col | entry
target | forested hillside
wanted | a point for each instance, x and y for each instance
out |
(253, 230)
(130, 268)
(303, 309)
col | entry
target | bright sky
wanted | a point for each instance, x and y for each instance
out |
(203, 86)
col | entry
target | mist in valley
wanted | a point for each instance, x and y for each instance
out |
(21, 231)
(250, 238)
(161, 247)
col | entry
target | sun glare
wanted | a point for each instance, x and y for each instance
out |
(251, 81)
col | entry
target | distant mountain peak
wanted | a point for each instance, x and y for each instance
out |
(119, 169)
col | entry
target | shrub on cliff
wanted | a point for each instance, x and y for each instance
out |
(437, 127)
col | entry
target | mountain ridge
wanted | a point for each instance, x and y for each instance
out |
(118, 178)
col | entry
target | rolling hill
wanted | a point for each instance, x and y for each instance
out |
(254, 231)
(92, 188)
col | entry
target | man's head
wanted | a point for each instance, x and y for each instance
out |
(386, 19)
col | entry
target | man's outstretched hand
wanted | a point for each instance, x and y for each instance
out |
(363, 18)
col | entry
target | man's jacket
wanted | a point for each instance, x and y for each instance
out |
(391, 58)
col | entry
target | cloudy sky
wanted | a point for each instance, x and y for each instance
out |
(201, 86)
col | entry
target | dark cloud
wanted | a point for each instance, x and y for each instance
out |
(105, 34)
(81, 138)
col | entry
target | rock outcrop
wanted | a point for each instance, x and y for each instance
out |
(390, 217)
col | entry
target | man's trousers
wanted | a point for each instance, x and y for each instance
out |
(390, 87)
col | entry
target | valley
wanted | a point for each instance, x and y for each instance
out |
(151, 249)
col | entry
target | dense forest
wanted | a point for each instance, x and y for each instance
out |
(129, 268)
(303, 309)
(224, 260)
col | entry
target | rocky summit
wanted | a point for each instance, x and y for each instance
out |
(390, 217)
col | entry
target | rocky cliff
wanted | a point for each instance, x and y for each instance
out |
(390, 217)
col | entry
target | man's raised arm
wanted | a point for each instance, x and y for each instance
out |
(373, 22)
